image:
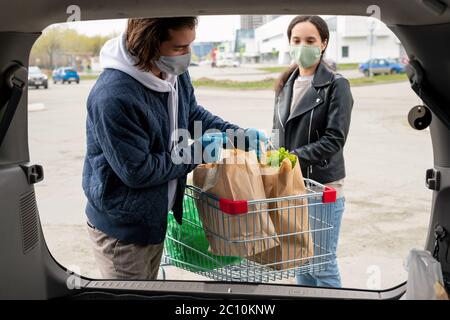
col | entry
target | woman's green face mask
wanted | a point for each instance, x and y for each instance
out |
(305, 56)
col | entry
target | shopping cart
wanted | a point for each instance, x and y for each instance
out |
(252, 241)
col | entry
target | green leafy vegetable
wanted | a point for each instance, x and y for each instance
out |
(276, 157)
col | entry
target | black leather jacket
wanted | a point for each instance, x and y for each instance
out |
(317, 129)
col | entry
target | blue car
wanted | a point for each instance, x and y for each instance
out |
(382, 66)
(65, 75)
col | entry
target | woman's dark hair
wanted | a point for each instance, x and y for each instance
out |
(145, 35)
(324, 33)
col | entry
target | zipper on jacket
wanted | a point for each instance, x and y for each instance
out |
(278, 111)
(323, 163)
(309, 170)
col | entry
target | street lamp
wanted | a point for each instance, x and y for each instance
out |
(371, 25)
(336, 41)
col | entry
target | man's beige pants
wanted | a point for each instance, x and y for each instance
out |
(120, 260)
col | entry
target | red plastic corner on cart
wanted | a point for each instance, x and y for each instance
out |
(329, 195)
(233, 206)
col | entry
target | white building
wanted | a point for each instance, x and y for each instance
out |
(253, 22)
(349, 39)
(245, 46)
(272, 37)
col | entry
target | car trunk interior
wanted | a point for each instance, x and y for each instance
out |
(28, 270)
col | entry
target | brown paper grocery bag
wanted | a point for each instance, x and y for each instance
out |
(236, 177)
(296, 248)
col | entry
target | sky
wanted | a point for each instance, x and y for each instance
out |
(210, 28)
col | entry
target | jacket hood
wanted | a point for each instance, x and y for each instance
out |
(114, 55)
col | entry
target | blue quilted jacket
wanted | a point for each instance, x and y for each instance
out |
(128, 164)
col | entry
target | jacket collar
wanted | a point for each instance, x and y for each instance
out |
(322, 77)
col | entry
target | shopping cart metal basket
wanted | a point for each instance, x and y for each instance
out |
(214, 231)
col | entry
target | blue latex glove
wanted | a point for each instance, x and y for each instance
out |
(212, 146)
(255, 137)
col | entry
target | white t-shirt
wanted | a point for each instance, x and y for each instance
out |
(301, 85)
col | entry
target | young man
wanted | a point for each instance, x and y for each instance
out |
(130, 177)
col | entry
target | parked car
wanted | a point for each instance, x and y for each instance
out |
(382, 66)
(227, 63)
(65, 74)
(36, 78)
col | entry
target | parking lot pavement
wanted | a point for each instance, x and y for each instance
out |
(247, 73)
(243, 73)
(387, 204)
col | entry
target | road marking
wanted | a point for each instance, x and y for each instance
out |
(32, 107)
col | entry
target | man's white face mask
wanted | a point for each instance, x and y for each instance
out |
(175, 65)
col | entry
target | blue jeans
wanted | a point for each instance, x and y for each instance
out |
(329, 277)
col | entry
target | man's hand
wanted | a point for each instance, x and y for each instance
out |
(255, 138)
(212, 145)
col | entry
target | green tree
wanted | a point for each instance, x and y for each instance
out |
(59, 42)
(47, 45)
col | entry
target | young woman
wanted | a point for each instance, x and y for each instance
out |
(311, 119)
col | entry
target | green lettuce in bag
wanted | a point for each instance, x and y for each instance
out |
(276, 157)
